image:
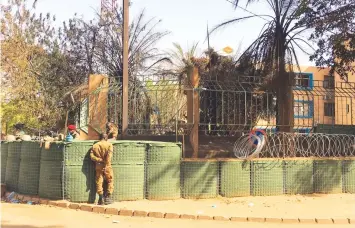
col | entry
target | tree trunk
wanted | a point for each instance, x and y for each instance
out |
(193, 107)
(284, 85)
(284, 95)
(285, 112)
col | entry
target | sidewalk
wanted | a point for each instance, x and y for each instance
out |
(20, 216)
(326, 209)
(307, 207)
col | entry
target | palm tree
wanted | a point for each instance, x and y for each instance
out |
(274, 51)
(96, 47)
(183, 61)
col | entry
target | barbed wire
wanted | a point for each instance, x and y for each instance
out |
(283, 145)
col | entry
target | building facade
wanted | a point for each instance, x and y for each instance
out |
(319, 99)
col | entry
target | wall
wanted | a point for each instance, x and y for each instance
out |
(342, 96)
(98, 88)
(65, 171)
(316, 95)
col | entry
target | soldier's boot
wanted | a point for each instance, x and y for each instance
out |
(101, 200)
(108, 199)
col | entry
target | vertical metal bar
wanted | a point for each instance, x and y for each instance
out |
(216, 109)
(156, 123)
(66, 123)
(222, 100)
(193, 104)
(239, 108)
(116, 118)
(351, 111)
(63, 180)
(256, 109)
(251, 107)
(125, 68)
(183, 145)
(234, 108)
(267, 106)
(177, 113)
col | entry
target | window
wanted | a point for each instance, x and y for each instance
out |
(328, 96)
(329, 109)
(328, 82)
(303, 109)
(304, 81)
(302, 130)
(83, 116)
(268, 130)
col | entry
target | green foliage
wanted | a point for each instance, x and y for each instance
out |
(11, 113)
(42, 65)
(334, 32)
(96, 46)
(166, 97)
(183, 61)
(275, 47)
(274, 51)
(24, 57)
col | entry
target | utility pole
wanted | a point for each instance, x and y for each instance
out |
(125, 68)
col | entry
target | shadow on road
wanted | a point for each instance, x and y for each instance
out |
(4, 225)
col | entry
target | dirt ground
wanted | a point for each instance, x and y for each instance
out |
(312, 206)
(37, 216)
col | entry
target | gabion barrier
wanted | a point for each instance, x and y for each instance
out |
(4, 150)
(13, 166)
(128, 164)
(128, 182)
(235, 178)
(267, 177)
(66, 172)
(28, 181)
(349, 176)
(163, 171)
(200, 179)
(298, 176)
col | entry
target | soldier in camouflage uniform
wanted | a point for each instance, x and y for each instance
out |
(111, 130)
(101, 154)
(73, 131)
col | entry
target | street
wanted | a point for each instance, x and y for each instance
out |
(36, 216)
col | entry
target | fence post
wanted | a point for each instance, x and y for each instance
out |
(193, 109)
(125, 67)
(97, 105)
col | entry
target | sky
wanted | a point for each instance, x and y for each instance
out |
(186, 20)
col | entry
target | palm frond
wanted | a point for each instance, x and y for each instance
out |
(232, 21)
(278, 37)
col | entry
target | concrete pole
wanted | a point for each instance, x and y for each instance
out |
(125, 68)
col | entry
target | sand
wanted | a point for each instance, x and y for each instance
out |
(38, 216)
(311, 206)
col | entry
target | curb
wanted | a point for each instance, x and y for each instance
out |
(162, 215)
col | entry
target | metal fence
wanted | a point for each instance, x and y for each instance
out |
(159, 106)
(228, 108)
(231, 107)
(156, 106)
